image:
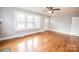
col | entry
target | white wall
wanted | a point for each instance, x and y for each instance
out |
(63, 23)
(0, 24)
(1, 28)
(46, 23)
(8, 22)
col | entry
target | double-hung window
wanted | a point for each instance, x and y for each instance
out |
(27, 22)
(37, 22)
(33, 22)
(20, 22)
(30, 22)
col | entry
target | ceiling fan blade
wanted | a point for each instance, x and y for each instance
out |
(57, 9)
(45, 10)
(49, 8)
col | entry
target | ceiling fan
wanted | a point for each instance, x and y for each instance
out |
(51, 9)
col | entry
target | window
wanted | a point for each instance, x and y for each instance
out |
(27, 22)
(37, 21)
(33, 22)
(20, 21)
(30, 21)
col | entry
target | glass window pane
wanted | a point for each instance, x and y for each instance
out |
(29, 19)
(20, 21)
(20, 27)
(37, 22)
(30, 22)
(20, 15)
(30, 25)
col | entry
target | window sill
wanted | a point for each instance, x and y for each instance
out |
(27, 30)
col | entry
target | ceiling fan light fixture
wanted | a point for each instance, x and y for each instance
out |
(49, 12)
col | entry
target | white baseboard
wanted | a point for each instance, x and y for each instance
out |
(64, 32)
(20, 35)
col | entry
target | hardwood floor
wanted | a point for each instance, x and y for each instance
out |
(47, 41)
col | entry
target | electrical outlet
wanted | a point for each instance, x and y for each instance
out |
(0, 22)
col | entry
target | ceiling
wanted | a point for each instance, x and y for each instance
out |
(63, 10)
